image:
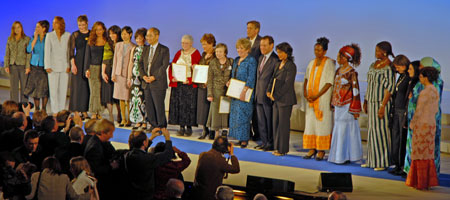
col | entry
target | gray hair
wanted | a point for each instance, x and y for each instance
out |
(224, 193)
(260, 196)
(187, 37)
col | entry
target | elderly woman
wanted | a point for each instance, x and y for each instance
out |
(37, 84)
(283, 96)
(218, 75)
(377, 104)
(183, 104)
(244, 69)
(208, 43)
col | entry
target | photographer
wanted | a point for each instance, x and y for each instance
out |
(212, 167)
(140, 165)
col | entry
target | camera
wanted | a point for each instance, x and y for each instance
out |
(25, 104)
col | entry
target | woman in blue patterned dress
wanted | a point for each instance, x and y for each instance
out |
(137, 106)
(439, 84)
(244, 69)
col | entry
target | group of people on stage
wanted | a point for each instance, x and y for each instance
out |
(106, 68)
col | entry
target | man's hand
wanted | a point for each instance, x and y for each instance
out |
(27, 109)
(176, 150)
(74, 69)
(231, 149)
(151, 79)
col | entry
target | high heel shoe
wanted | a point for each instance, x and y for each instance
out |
(279, 154)
(311, 153)
(320, 155)
(204, 133)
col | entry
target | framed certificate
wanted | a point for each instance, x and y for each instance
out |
(224, 105)
(235, 89)
(200, 74)
(179, 72)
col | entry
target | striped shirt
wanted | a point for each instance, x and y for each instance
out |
(379, 80)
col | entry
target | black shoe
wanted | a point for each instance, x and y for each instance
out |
(268, 148)
(204, 134)
(181, 132)
(237, 143)
(188, 131)
(394, 171)
(244, 145)
(256, 138)
(224, 133)
(261, 146)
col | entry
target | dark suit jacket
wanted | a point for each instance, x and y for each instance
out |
(255, 51)
(49, 142)
(211, 168)
(263, 78)
(160, 63)
(21, 156)
(96, 155)
(11, 139)
(65, 153)
(140, 167)
(284, 93)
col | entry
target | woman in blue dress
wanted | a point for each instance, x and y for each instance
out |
(244, 69)
(439, 84)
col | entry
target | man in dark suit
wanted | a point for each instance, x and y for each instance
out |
(266, 66)
(152, 70)
(98, 157)
(29, 151)
(253, 28)
(13, 138)
(211, 168)
(140, 166)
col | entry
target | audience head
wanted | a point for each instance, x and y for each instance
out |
(260, 196)
(38, 117)
(221, 50)
(266, 44)
(186, 42)
(383, 49)
(208, 42)
(139, 36)
(224, 192)
(221, 144)
(284, 51)
(152, 36)
(114, 34)
(350, 54)
(89, 127)
(104, 129)
(429, 73)
(7, 159)
(138, 139)
(62, 116)
(79, 164)
(28, 168)
(160, 147)
(9, 108)
(243, 47)
(321, 47)
(76, 134)
(174, 188)
(49, 124)
(253, 28)
(336, 195)
(21, 120)
(52, 164)
(17, 29)
(31, 140)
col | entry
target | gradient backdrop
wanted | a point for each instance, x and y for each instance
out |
(416, 28)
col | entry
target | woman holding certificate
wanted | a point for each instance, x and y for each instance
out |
(218, 75)
(244, 69)
(183, 97)
(281, 92)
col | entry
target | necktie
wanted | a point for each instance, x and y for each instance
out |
(150, 59)
(262, 64)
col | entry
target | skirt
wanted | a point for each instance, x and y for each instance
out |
(95, 105)
(37, 83)
(107, 88)
(183, 106)
(216, 120)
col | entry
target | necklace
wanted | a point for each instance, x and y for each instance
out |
(399, 81)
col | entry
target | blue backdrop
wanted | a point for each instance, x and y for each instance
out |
(416, 28)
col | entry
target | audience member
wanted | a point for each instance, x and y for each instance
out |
(65, 153)
(89, 130)
(260, 196)
(83, 176)
(212, 166)
(13, 138)
(224, 193)
(29, 151)
(51, 139)
(174, 189)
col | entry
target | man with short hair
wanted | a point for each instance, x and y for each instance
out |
(212, 166)
(73, 149)
(13, 138)
(224, 193)
(29, 151)
(140, 165)
(174, 189)
(152, 70)
(89, 130)
(253, 28)
(267, 63)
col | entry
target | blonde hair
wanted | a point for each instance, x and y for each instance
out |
(79, 164)
(244, 43)
(103, 126)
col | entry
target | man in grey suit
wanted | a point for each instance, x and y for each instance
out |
(266, 66)
(253, 28)
(152, 70)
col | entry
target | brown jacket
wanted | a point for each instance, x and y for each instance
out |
(211, 168)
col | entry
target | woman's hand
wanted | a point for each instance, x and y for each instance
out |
(74, 69)
(7, 70)
(242, 96)
(88, 74)
(174, 80)
(228, 83)
(356, 115)
(210, 99)
(49, 70)
(381, 112)
(105, 77)
(27, 70)
(365, 106)
(113, 78)
(270, 96)
(129, 83)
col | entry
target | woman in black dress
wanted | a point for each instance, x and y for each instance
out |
(107, 87)
(79, 88)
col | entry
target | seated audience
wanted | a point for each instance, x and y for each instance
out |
(174, 189)
(224, 193)
(51, 139)
(13, 138)
(260, 196)
(89, 130)
(83, 176)
(29, 151)
(65, 153)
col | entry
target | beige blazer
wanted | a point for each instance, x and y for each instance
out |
(121, 60)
